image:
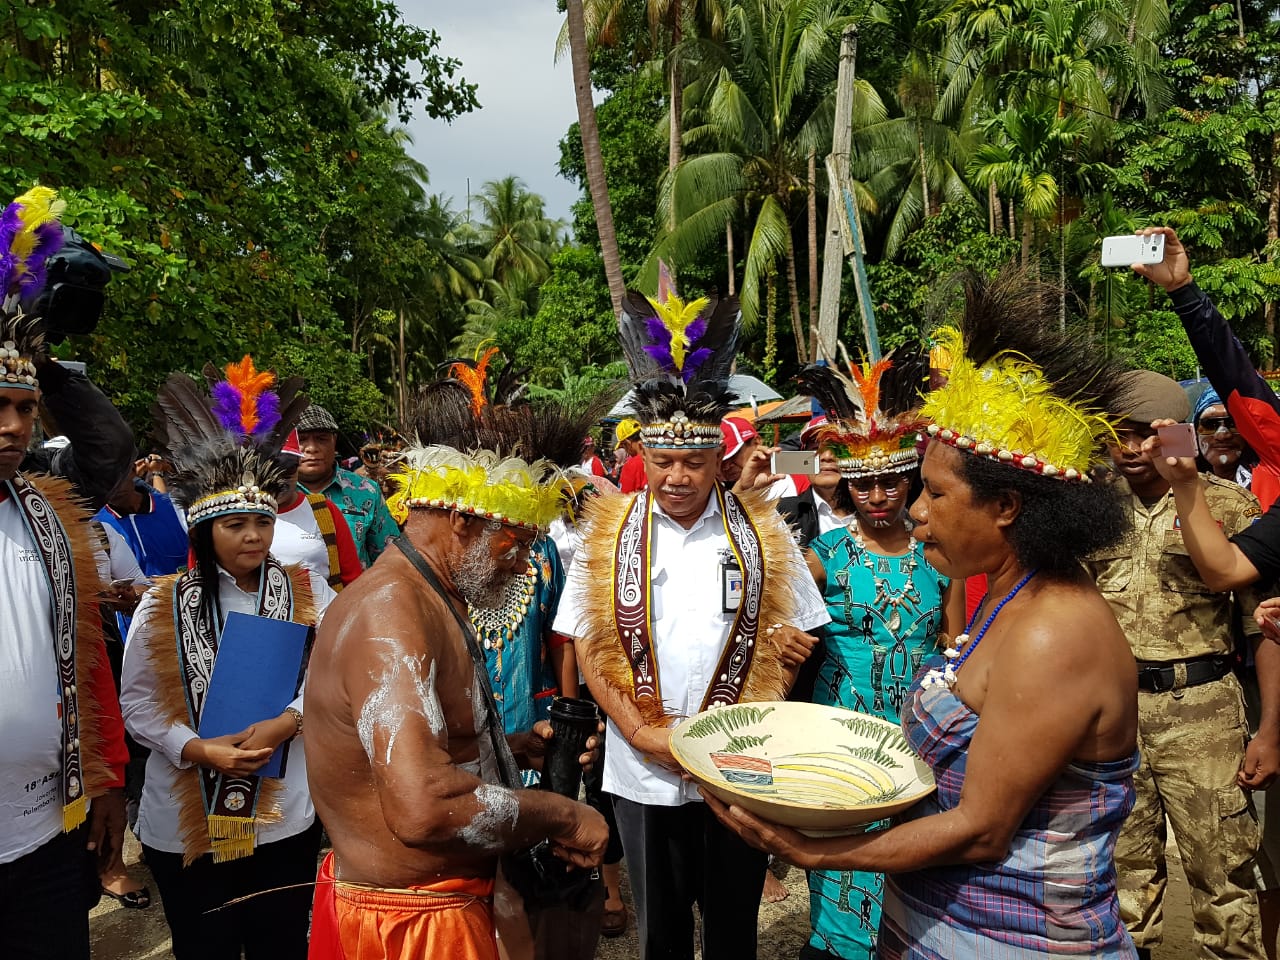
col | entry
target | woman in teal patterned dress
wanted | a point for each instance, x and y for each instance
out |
(887, 606)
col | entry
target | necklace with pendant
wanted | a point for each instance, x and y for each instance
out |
(890, 603)
(496, 626)
(954, 655)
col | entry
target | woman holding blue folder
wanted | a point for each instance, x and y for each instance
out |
(223, 825)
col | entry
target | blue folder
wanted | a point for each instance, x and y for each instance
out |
(256, 675)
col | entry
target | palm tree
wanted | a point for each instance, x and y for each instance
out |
(590, 133)
(1025, 147)
(514, 232)
(765, 106)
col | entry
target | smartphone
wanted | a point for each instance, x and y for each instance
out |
(1177, 440)
(1127, 249)
(795, 462)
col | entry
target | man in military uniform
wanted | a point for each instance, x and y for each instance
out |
(1192, 731)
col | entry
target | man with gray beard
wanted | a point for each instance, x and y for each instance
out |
(413, 776)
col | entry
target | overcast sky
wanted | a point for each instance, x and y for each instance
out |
(507, 47)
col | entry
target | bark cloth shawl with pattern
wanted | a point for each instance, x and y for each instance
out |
(217, 813)
(618, 642)
(59, 527)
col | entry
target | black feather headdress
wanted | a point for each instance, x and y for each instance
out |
(873, 426)
(225, 445)
(503, 462)
(1019, 390)
(679, 356)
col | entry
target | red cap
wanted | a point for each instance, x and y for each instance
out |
(291, 444)
(736, 431)
(809, 428)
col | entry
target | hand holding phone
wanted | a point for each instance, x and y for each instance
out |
(1128, 249)
(795, 462)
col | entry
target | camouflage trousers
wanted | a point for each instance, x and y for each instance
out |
(1192, 743)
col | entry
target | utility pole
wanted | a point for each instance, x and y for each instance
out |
(842, 138)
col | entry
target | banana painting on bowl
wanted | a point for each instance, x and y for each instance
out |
(822, 770)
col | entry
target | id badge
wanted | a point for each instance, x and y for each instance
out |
(730, 585)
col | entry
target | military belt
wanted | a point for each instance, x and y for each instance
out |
(1179, 674)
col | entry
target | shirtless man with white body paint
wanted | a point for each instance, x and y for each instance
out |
(400, 764)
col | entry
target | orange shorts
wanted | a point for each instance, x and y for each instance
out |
(452, 918)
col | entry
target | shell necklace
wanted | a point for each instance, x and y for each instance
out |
(955, 657)
(496, 626)
(886, 600)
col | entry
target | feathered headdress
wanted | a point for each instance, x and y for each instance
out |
(225, 446)
(679, 356)
(21, 346)
(500, 462)
(29, 235)
(873, 425)
(1019, 391)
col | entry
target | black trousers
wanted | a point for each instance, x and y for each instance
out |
(679, 856)
(45, 899)
(272, 926)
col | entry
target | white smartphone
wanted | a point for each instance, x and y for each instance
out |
(795, 462)
(1127, 249)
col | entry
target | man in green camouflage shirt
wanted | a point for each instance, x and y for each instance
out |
(359, 498)
(1192, 732)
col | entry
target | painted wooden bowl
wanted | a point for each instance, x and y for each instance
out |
(822, 770)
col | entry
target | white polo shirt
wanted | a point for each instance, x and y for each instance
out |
(689, 632)
(298, 539)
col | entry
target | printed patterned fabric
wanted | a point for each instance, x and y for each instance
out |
(1053, 893)
(365, 511)
(885, 616)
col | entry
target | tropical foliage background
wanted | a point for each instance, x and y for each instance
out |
(247, 157)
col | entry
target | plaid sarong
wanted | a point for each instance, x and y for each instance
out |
(1055, 890)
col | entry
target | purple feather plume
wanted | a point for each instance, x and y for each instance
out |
(696, 330)
(49, 240)
(226, 407)
(268, 413)
(660, 349)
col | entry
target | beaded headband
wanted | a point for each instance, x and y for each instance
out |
(681, 433)
(248, 497)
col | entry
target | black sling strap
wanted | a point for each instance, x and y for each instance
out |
(508, 769)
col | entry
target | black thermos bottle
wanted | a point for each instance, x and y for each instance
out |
(574, 722)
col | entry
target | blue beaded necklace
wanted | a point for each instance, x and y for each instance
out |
(956, 657)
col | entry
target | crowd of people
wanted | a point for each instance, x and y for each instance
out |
(326, 700)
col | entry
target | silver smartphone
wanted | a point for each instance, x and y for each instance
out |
(1127, 249)
(795, 462)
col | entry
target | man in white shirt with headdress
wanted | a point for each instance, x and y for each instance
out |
(707, 607)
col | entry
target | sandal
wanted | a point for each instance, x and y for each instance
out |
(132, 899)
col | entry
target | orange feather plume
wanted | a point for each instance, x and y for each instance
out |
(867, 378)
(475, 379)
(251, 383)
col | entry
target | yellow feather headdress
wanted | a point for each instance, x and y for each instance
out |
(499, 461)
(1005, 410)
(481, 483)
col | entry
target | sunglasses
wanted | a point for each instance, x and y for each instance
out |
(1211, 425)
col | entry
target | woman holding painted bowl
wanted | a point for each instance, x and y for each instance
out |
(212, 829)
(887, 603)
(1012, 856)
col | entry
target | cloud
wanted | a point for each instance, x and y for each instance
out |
(507, 47)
